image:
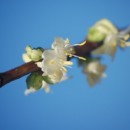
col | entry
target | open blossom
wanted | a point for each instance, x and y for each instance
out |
(111, 42)
(94, 71)
(105, 31)
(55, 62)
(100, 30)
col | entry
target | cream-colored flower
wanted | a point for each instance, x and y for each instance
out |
(111, 42)
(100, 30)
(32, 54)
(94, 71)
(109, 46)
(63, 46)
(54, 62)
(56, 77)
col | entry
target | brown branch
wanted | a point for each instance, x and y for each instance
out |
(17, 73)
(27, 68)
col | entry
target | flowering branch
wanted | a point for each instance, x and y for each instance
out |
(30, 67)
(49, 66)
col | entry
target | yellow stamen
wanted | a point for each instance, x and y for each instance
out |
(52, 62)
(81, 58)
(122, 44)
(64, 69)
(67, 63)
(126, 37)
(114, 44)
(81, 44)
(67, 41)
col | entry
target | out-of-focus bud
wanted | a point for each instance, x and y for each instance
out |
(94, 71)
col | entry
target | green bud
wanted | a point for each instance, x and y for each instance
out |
(100, 30)
(34, 80)
(28, 49)
(34, 54)
(95, 35)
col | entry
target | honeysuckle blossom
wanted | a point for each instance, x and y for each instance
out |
(32, 54)
(111, 42)
(94, 71)
(105, 31)
(55, 62)
(100, 30)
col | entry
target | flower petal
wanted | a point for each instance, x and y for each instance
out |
(26, 58)
(30, 90)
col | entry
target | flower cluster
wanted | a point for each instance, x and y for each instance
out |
(105, 31)
(53, 62)
(32, 54)
(53, 65)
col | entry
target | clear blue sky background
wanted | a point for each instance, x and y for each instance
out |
(73, 105)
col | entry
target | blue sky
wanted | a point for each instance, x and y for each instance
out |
(73, 104)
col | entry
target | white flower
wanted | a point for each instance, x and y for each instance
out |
(94, 71)
(55, 62)
(32, 54)
(100, 30)
(56, 77)
(109, 46)
(63, 47)
(111, 42)
(53, 79)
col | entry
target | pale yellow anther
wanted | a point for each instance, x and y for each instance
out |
(122, 44)
(82, 58)
(70, 55)
(81, 44)
(52, 62)
(67, 41)
(126, 37)
(114, 44)
(64, 69)
(67, 63)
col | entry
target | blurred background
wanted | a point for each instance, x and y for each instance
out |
(73, 105)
